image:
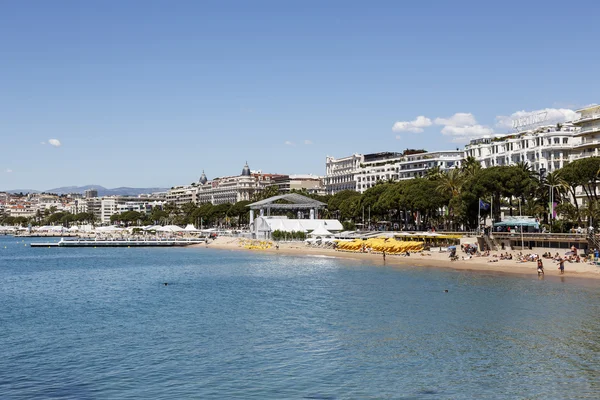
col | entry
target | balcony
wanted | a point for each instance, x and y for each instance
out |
(587, 143)
(588, 129)
(586, 118)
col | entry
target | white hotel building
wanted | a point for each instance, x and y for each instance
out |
(547, 147)
(588, 134)
(360, 172)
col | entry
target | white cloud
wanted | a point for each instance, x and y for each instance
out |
(288, 143)
(465, 133)
(308, 142)
(458, 119)
(463, 127)
(8, 170)
(54, 142)
(415, 126)
(550, 116)
(42, 142)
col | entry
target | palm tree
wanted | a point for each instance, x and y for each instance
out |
(433, 173)
(451, 182)
(557, 183)
(470, 165)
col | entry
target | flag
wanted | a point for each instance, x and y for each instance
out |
(483, 205)
(552, 208)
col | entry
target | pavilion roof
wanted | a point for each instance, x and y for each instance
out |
(296, 200)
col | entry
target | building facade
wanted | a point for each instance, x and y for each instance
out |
(340, 173)
(232, 189)
(588, 133)
(360, 172)
(310, 183)
(544, 148)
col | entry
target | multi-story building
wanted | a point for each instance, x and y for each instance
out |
(589, 132)
(231, 189)
(340, 173)
(402, 166)
(543, 148)
(105, 207)
(144, 207)
(22, 209)
(366, 170)
(180, 195)
(90, 193)
(76, 206)
(311, 183)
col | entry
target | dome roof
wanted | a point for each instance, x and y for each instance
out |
(246, 170)
(203, 178)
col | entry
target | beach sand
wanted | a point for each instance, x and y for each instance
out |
(424, 259)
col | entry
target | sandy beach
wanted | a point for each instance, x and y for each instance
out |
(423, 259)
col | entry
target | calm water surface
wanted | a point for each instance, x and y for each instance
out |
(99, 323)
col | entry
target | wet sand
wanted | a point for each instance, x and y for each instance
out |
(423, 259)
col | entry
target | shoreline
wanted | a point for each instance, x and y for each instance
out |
(425, 259)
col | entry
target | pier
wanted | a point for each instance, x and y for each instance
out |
(121, 243)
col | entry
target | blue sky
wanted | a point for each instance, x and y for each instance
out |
(150, 93)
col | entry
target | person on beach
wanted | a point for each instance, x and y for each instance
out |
(540, 267)
(561, 266)
(384, 255)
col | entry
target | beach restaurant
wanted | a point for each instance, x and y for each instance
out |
(516, 224)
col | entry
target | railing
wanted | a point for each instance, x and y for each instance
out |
(587, 117)
(589, 129)
(565, 237)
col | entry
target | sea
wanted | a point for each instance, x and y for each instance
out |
(85, 323)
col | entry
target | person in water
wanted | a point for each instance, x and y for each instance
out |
(540, 267)
(561, 266)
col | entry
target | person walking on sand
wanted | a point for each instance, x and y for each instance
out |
(561, 266)
(384, 255)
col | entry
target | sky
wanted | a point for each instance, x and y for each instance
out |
(151, 93)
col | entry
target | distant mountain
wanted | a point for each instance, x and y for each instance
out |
(21, 191)
(102, 191)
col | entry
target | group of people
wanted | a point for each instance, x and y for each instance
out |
(540, 266)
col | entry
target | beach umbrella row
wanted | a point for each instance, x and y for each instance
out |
(390, 246)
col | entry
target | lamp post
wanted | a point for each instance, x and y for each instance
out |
(521, 215)
(551, 205)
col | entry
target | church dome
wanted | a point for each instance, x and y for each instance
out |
(246, 170)
(203, 178)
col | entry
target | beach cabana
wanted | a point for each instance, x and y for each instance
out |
(320, 232)
(169, 228)
(190, 228)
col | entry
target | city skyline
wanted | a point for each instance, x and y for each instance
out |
(130, 95)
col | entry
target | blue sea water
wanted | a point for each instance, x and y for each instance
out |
(100, 323)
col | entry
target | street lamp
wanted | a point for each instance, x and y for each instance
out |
(551, 197)
(521, 215)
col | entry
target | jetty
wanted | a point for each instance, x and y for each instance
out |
(120, 243)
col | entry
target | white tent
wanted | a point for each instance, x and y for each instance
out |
(74, 228)
(298, 227)
(320, 231)
(108, 229)
(57, 229)
(169, 228)
(190, 228)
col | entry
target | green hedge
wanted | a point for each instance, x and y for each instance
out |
(280, 235)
